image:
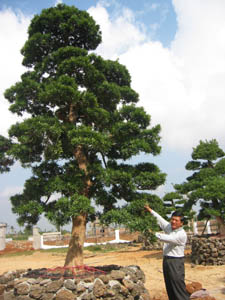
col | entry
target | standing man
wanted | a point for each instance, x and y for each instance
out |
(173, 254)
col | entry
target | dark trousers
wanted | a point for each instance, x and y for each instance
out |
(173, 271)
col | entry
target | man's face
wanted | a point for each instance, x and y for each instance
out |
(176, 222)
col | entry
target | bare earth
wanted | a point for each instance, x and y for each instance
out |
(212, 278)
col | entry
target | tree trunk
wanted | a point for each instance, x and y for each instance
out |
(221, 225)
(74, 255)
(203, 231)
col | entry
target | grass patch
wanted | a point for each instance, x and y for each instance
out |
(93, 248)
(22, 253)
(105, 248)
(55, 250)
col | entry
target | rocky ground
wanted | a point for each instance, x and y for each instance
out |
(212, 278)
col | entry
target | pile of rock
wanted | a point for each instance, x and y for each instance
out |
(115, 283)
(197, 292)
(208, 250)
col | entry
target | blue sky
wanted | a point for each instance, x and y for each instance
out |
(175, 53)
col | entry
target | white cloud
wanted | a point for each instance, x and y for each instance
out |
(58, 2)
(9, 191)
(13, 34)
(119, 33)
(182, 87)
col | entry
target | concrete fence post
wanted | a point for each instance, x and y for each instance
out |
(195, 228)
(208, 228)
(117, 235)
(36, 238)
(2, 235)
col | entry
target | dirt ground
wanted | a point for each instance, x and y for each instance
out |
(212, 278)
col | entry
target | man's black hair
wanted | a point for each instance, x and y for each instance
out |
(178, 213)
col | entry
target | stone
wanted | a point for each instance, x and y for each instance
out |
(20, 280)
(10, 285)
(137, 290)
(117, 275)
(145, 296)
(86, 296)
(9, 296)
(54, 286)
(118, 297)
(110, 293)
(69, 284)
(99, 288)
(22, 288)
(4, 279)
(48, 296)
(124, 291)
(112, 283)
(80, 287)
(36, 291)
(32, 281)
(2, 289)
(104, 287)
(115, 286)
(45, 281)
(140, 275)
(39, 280)
(65, 295)
(104, 278)
(89, 285)
(89, 279)
(128, 284)
(207, 251)
(215, 254)
(193, 287)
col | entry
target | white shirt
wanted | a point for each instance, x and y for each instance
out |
(174, 240)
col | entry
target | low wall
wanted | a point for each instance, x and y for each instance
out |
(52, 236)
(113, 282)
(208, 250)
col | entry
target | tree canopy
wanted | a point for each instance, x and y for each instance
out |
(81, 128)
(205, 188)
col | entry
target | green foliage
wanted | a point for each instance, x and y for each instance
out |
(208, 150)
(94, 248)
(134, 216)
(173, 201)
(57, 28)
(82, 124)
(106, 248)
(20, 236)
(206, 186)
(5, 159)
(23, 253)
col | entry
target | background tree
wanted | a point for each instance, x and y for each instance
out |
(134, 217)
(81, 125)
(206, 186)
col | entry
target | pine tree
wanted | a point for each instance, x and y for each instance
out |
(82, 124)
(205, 188)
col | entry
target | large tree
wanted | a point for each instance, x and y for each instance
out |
(81, 124)
(205, 188)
